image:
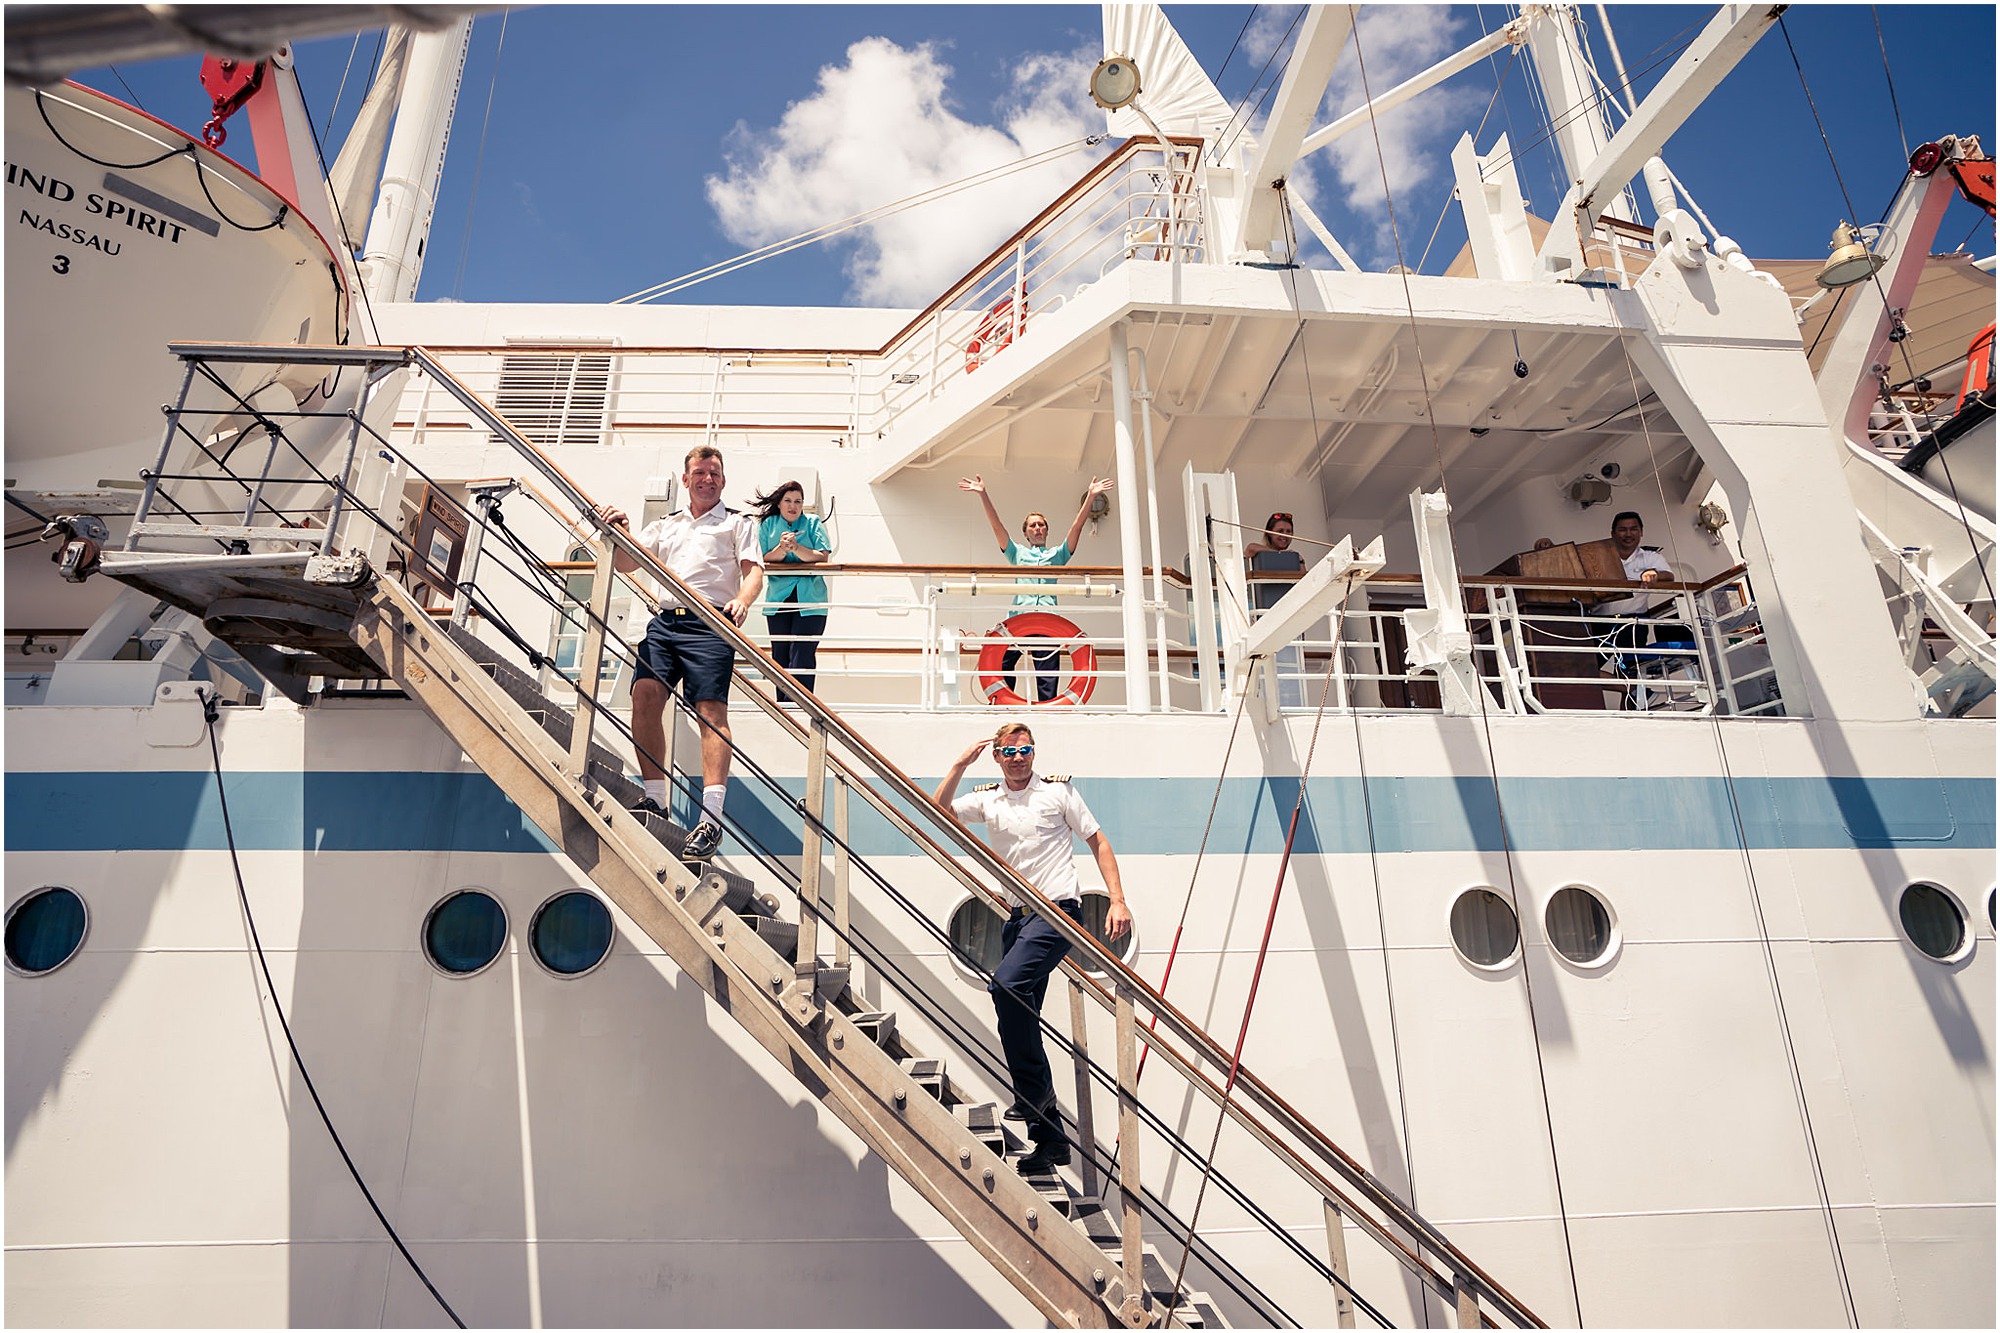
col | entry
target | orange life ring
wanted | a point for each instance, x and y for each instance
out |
(1048, 626)
(996, 330)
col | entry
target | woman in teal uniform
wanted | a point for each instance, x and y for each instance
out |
(795, 604)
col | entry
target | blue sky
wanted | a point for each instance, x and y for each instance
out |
(630, 144)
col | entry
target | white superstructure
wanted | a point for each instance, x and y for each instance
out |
(1621, 954)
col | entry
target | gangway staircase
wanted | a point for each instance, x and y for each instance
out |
(311, 601)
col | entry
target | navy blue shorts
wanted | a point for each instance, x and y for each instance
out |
(681, 651)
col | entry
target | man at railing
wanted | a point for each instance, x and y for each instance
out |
(1030, 821)
(1035, 527)
(1643, 565)
(714, 550)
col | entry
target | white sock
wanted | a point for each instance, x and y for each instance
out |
(656, 791)
(711, 802)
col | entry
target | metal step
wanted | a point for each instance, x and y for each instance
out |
(782, 936)
(926, 1072)
(880, 1027)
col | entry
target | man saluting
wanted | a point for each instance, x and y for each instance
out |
(1030, 821)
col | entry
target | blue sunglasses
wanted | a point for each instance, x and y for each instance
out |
(1010, 751)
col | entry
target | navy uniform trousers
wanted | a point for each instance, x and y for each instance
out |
(1031, 950)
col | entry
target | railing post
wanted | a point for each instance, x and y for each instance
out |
(1468, 1301)
(590, 668)
(1138, 680)
(1336, 1255)
(160, 465)
(257, 491)
(347, 473)
(841, 952)
(1086, 1132)
(809, 852)
(485, 499)
(1129, 1222)
(937, 331)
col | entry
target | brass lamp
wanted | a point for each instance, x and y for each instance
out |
(1851, 260)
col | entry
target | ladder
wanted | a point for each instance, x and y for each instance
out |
(321, 598)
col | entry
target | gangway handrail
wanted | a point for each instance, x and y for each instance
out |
(1468, 1282)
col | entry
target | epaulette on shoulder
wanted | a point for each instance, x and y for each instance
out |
(987, 786)
(1055, 777)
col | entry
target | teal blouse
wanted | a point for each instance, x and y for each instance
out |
(797, 588)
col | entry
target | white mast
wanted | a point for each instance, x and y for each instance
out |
(393, 258)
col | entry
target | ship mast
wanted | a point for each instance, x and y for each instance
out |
(392, 258)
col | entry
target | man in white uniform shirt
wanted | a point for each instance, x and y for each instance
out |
(1030, 821)
(1642, 563)
(714, 550)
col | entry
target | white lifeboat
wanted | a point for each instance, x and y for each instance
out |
(124, 235)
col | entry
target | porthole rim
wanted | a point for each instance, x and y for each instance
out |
(23, 901)
(1968, 933)
(958, 963)
(1520, 935)
(506, 934)
(1127, 948)
(1614, 943)
(528, 936)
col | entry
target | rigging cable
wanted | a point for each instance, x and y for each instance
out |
(1187, 900)
(479, 162)
(1492, 763)
(1882, 45)
(128, 89)
(1902, 346)
(1229, 127)
(1757, 908)
(210, 710)
(341, 91)
(827, 231)
(1233, 45)
(1291, 832)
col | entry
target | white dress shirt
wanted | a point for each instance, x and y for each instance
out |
(1642, 559)
(1031, 829)
(706, 552)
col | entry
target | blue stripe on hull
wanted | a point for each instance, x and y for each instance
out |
(465, 812)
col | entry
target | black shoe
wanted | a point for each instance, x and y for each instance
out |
(648, 806)
(1015, 1112)
(701, 843)
(1045, 1158)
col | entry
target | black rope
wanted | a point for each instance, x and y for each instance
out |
(298, 1060)
(201, 178)
(41, 106)
(28, 509)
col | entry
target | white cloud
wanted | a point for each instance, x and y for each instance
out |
(1396, 41)
(881, 127)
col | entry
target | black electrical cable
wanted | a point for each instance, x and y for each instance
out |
(305, 1076)
(40, 105)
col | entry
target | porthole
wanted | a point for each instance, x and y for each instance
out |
(464, 933)
(975, 936)
(1991, 894)
(44, 930)
(1484, 929)
(1579, 925)
(975, 928)
(571, 933)
(1096, 907)
(1933, 921)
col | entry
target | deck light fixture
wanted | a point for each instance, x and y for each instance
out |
(1850, 262)
(1114, 83)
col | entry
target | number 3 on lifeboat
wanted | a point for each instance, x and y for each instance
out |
(1031, 624)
